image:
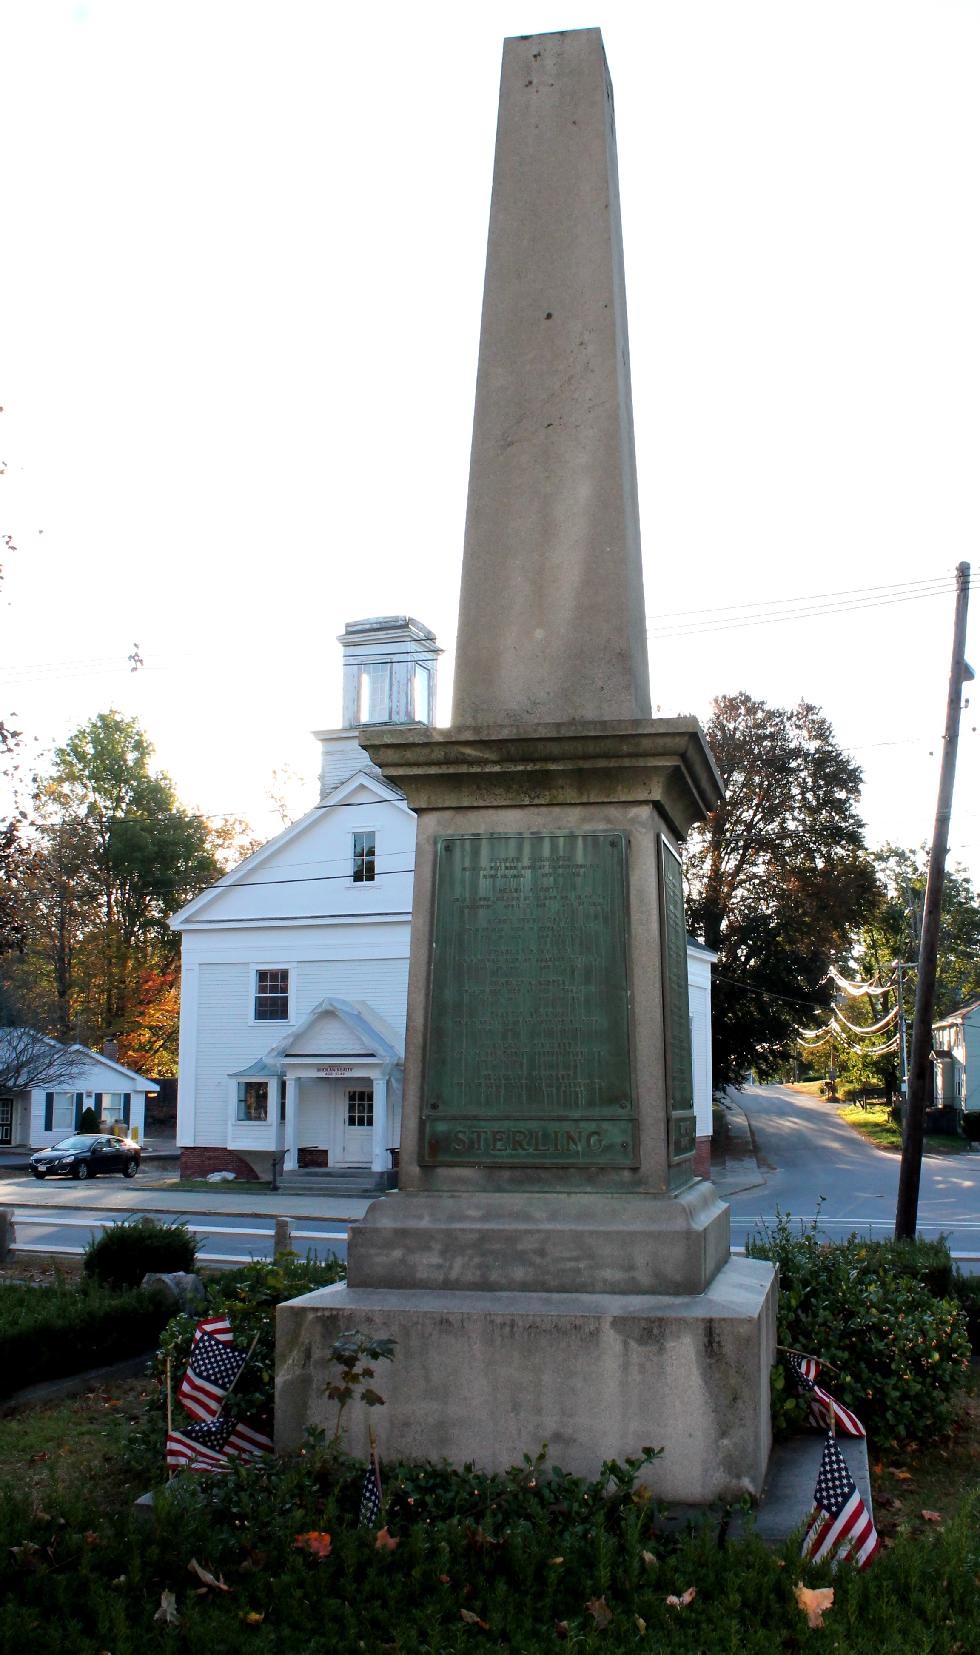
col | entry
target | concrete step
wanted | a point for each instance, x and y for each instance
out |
(323, 1181)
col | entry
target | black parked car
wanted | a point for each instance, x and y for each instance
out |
(85, 1154)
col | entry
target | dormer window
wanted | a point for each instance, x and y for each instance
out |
(362, 872)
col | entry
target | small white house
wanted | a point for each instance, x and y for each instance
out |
(34, 1116)
(956, 1056)
(294, 967)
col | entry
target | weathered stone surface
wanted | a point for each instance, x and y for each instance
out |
(552, 518)
(476, 1242)
(489, 1376)
(179, 1287)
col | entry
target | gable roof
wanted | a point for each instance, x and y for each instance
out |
(62, 1067)
(362, 1032)
(362, 780)
(957, 1016)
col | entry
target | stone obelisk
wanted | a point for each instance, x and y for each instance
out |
(551, 1267)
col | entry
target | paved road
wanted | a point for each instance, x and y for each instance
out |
(806, 1152)
(55, 1230)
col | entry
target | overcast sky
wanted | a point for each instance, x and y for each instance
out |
(241, 273)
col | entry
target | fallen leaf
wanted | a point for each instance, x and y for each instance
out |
(207, 1577)
(684, 1599)
(600, 1611)
(933, 1516)
(640, 1624)
(167, 1612)
(556, 1561)
(25, 1550)
(36, 1459)
(814, 1601)
(648, 1559)
(903, 1476)
(444, 1579)
(468, 1616)
(317, 1543)
(385, 1542)
(91, 1538)
(253, 1617)
(561, 1629)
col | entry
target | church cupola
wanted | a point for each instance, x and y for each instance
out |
(389, 678)
(389, 671)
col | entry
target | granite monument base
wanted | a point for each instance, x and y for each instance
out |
(488, 1377)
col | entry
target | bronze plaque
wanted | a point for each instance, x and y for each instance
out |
(677, 1016)
(528, 1050)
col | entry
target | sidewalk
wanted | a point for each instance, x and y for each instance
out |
(734, 1166)
(99, 1195)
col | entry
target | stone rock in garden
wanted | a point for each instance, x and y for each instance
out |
(182, 1289)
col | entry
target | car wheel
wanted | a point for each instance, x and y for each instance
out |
(38, 1173)
(131, 1168)
(79, 1170)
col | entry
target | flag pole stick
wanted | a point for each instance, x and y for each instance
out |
(808, 1354)
(170, 1418)
(372, 1439)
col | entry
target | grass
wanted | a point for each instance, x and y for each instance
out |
(875, 1124)
(79, 1575)
(76, 1447)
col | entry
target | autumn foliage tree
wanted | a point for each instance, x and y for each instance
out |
(111, 856)
(777, 876)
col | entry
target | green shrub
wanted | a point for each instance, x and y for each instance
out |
(971, 1125)
(863, 1308)
(90, 1120)
(122, 1255)
(966, 1291)
(248, 1296)
(46, 1333)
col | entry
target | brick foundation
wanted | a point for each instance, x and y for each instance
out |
(198, 1162)
(702, 1157)
(313, 1157)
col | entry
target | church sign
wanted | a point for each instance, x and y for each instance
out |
(528, 1048)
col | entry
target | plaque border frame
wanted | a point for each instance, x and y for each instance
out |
(635, 1162)
(675, 1157)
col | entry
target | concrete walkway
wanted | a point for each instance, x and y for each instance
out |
(734, 1162)
(101, 1195)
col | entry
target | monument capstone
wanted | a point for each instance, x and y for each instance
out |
(551, 1267)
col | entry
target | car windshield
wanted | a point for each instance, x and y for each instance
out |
(74, 1143)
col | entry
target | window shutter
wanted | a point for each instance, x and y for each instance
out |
(49, 1111)
(127, 1100)
(79, 1106)
(97, 1103)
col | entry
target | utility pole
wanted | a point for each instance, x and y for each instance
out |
(903, 1047)
(907, 1209)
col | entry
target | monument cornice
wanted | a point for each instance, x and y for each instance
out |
(662, 761)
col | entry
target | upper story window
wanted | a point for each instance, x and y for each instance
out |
(374, 693)
(363, 866)
(272, 996)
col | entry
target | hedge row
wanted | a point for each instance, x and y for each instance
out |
(49, 1332)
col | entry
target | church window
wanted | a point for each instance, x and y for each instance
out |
(272, 996)
(364, 859)
(253, 1100)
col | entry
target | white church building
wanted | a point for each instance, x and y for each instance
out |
(294, 967)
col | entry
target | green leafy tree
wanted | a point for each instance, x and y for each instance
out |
(778, 877)
(113, 855)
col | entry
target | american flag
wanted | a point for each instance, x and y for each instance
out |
(840, 1525)
(219, 1327)
(371, 1495)
(825, 1410)
(210, 1444)
(212, 1370)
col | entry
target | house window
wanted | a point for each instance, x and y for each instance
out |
(282, 1100)
(63, 1113)
(6, 1119)
(360, 1106)
(363, 860)
(272, 996)
(253, 1100)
